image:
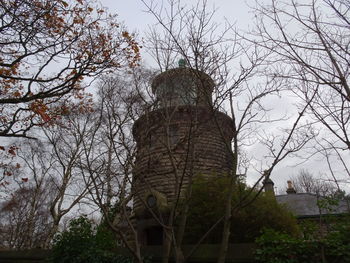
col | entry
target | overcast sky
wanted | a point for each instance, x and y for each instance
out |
(132, 13)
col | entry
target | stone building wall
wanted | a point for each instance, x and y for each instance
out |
(183, 137)
(175, 145)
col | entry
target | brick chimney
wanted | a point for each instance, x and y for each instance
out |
(290, 188)
(268, 185)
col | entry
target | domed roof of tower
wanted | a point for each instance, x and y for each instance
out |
(183, 86)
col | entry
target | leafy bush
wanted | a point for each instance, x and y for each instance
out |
(277, 247)
(332, 246)
(337, 241)
(83, 242)
(207, 206)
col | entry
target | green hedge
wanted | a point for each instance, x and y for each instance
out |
(83, 242)
(331, 246)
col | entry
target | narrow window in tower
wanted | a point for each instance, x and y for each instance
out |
(152, 141)
(186, 91)
(173, 135)
(166, 94)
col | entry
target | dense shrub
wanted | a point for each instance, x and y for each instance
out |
(207, 206)
(332, 246)
(83, 242)
(278, 247)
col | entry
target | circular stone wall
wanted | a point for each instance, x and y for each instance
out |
(174, 144)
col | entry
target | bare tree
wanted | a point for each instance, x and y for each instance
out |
(108, 151)
(305, 182)
(309, 41)
(50, 179)
(46, 50)
(25, 219)
(8, 165)
(190, 33)
(88, 158)
(65, 148)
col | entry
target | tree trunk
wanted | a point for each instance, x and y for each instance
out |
(167, 244)
(228, 208)
(227, 223)
(179, 256)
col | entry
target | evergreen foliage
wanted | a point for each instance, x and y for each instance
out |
(315, 245)
(83, 242)
(251, 212)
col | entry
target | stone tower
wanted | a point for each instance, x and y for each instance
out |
(182, 137)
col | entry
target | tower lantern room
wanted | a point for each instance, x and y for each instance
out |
(183, 86)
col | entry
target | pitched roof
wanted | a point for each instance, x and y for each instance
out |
(306, 205)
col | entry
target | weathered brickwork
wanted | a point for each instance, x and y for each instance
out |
(176, 142)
